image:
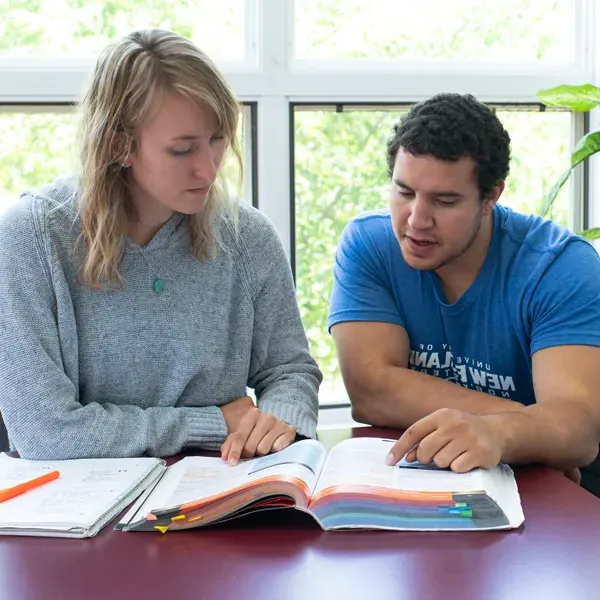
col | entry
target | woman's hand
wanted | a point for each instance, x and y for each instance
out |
(253, 432)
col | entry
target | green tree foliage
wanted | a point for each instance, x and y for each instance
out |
(36, 148)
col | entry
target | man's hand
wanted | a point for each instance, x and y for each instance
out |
(574, 475)
(258, 433)
(451, 439)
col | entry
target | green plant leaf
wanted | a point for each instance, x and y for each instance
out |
(591, 234)
(554, 192)
(580, 98)
(589, 144)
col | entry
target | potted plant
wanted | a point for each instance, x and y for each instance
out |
(580, 98)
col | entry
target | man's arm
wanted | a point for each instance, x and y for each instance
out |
(563, 428)
(385, 392)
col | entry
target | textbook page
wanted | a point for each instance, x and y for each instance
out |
(360, 462)
(87, 492)
(195, 478)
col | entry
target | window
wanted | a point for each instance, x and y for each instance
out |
(460, 30)
(292, 63)
(39, 145)
(341, 171)
(540, 153)
(79, 28)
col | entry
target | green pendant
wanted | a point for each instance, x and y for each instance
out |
(158, 286)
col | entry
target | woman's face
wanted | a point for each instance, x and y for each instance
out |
(179, 153)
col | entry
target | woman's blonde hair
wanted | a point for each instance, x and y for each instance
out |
(126, 87)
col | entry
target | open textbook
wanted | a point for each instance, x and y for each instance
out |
(85, 497)
(351, 487)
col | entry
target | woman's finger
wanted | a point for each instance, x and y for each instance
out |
(240, 437)
(268, 442)
(264, 425)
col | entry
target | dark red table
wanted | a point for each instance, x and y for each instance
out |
(283, 555)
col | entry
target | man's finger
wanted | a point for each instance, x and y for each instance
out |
(449, 453)
(411, 437)
(411, 456)
(430, 445)
(466, 462)
(573, 475)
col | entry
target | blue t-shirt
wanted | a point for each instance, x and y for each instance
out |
(539, 286)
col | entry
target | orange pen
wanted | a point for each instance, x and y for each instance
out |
(21, 488)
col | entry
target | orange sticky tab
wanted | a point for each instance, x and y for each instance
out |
(162, 528)
(151, 517)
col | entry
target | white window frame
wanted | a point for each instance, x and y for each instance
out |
(273, 79)
(593, 212)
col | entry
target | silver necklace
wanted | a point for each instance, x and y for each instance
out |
(159, 284)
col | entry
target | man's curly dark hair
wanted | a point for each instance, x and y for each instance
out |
(450, 127)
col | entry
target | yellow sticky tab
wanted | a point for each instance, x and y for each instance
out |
(195, 518)
(162, 528)
(178, 518)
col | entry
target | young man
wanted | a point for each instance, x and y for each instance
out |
(448, 287)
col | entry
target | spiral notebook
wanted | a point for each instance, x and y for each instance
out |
(87, 495)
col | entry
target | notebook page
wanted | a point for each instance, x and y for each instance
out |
(84, 492)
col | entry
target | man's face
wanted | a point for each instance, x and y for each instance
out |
(436, 209)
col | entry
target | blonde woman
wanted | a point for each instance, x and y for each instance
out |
(138, 302)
